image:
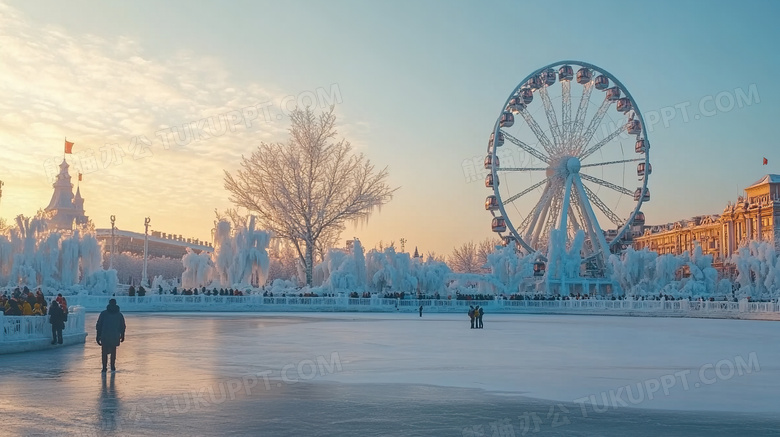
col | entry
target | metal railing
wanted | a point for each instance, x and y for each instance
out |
(167, 302)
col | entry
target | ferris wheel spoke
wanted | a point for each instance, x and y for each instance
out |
(541, 225)
(595, 122)
(565, 111)
(604, 183)
(552, 119)
(533, 216)
(533, 232)
(526, 191)
(582, 111)
(622, 161)
(593, 149)
(535, 153)
(546, 144)
(555, 209)
(522, 169)
(596, 200)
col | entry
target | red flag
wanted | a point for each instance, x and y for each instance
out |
(79, 176)
(68, 147)
(765, 161)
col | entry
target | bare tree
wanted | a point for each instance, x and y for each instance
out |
(471, 257)
(307, 189)
(464, 259)
(485, 248)
(433, 256)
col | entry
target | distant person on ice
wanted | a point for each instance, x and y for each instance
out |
(110, 332)
(471, 316)
(57, 320)
(420, 310)
(479, 312)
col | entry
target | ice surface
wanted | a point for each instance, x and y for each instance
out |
(168, 359)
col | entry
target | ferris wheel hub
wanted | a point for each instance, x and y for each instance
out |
(564, 166)
(573, 165)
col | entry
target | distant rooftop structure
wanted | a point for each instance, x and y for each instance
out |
(160, 244)
(768, 179)
(67, 209)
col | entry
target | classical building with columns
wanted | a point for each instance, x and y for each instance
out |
(754, 216)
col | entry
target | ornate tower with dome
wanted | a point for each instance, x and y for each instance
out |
(67, 210)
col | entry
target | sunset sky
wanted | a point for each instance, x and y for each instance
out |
(417, 87)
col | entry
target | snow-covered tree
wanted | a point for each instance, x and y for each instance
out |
(634, 271)
(241, 254)
(307, 189)
(758, 270)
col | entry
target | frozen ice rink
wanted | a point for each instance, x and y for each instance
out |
(350, 374)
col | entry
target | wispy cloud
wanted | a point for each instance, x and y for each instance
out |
(101, 91)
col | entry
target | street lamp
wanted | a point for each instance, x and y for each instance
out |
(113, 226)
(144, 281)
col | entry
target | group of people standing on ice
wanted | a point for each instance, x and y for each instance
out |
(475, 314)
(25, 303)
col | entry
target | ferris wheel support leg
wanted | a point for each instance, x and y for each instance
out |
(563, 226)
(602, 242)
(566, 201)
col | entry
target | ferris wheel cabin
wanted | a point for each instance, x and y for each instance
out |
(634, 127)
(623, 105)
(639, 219)
(500, 141)
(508, 239)
(613, 93)
(527, 94)
(641, 146)
(565, 73)
(489, 181)
(491, 203)
(642, 170)
(638, 195)
(535, 82)
(516, 104)
(507, 119)
(489, 162)
(539, 268)
(584, 76)
(601, 82)
(499, 224)
(548, 76)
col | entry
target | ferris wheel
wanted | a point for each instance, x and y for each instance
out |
(569, 152)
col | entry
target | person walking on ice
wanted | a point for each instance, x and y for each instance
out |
(110, 332)
(421, 310)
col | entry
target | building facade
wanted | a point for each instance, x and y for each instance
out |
(159, 244)
(67, 212)
(754, 216)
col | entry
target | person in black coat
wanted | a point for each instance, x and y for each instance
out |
(13, 308)
(110, 332)
(57, 320)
